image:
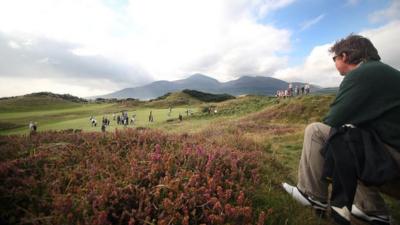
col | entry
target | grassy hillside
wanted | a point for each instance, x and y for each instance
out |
(242, 105)
(186, 97)
(207, 97)
(39, 101)
(172, 100)
(303, 109)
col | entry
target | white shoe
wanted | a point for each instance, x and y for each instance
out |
(303, 198)
(340, 215)
(372, 219)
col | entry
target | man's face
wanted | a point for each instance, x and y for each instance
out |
(340, 64)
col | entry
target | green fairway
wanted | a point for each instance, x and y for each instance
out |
(78, 118)
(142, 120)
(17, 122)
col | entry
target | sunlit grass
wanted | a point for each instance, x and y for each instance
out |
(78, 118)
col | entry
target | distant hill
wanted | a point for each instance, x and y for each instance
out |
(258, 85)
(172, 99)
(186, 97)
(207, 97)
(254, 85)
(66, 97)
(39, 101)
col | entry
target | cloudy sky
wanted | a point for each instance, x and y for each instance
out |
(93, 47)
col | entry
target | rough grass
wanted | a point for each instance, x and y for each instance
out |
(35, 103)
(304, 109)
(243, 105)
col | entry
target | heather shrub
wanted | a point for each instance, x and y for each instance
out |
(127, 177)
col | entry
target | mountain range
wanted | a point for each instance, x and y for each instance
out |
(258, 85)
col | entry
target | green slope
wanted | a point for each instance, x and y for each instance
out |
(173, 99)
(36, 102)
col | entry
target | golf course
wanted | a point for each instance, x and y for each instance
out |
(223, 163)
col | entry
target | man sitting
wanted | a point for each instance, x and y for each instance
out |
(368, 97)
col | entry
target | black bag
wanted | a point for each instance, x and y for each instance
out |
(353, 154)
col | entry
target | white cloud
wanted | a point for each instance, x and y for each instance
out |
(14, 44)
(43, 60)
(318, 68)
(56, 61)
(246, 48)
(165, 39)
(388, 14)
(225, 31)
(386, 40)
(15, 86)
(307, 24)
(270, 5)
(73, 20)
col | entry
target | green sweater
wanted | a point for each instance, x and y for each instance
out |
(369, 96)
